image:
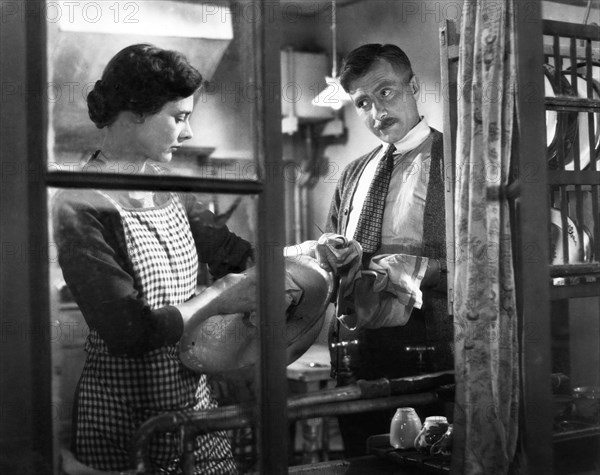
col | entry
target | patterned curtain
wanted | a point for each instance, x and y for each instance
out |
(487, 350)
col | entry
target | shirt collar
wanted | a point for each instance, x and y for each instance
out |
(415, 137)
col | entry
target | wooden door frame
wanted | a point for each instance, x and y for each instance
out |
(26, 444)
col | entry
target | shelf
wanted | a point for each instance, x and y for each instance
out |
(68, 305)
(565, 52)
(573, 434)
(412, 458)
(575, 270)
(581, 3)
(570, 30)
(572, 104)
(565, 177)
(587, 289)
(579, 45)
(580, 280)
(198, 153)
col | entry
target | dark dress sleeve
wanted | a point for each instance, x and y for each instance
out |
(93, 257)
(224, 251)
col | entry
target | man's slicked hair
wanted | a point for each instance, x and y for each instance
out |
(360, 60)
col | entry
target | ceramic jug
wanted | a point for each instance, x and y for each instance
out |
(404, 428)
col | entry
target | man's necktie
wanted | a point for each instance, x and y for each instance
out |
(368, 228)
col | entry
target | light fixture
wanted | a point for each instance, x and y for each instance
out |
(333, 95)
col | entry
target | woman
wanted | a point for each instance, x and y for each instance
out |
(131, 260)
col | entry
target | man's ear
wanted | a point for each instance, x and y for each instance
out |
(414, 85)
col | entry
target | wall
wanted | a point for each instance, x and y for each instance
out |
(223, 114)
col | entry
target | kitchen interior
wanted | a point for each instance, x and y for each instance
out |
(318, 138)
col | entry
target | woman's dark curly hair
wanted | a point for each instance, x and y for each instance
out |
(141, 78)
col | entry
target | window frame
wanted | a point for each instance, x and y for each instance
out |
(24, 286)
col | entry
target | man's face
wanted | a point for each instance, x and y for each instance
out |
(386, 101)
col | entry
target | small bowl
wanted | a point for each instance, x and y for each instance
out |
(586, 402)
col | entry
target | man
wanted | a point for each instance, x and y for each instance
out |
(394, 339)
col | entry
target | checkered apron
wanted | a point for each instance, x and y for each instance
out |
(117, 394)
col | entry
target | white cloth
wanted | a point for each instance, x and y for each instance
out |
(384, 294)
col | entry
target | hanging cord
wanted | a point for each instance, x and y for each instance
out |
(587, 12)
(333, 40)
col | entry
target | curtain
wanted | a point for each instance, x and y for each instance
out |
(486, 339)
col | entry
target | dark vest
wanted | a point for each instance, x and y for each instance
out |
(381, 352)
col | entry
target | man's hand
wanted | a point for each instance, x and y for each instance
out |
(337, 254)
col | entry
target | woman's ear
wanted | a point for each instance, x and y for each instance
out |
(135, 117)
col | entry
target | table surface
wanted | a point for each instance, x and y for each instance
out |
(314, 365)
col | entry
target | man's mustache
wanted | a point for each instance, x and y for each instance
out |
(385, 123)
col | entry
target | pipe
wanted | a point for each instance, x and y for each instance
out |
(362, 405)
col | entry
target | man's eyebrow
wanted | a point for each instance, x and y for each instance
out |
(385, 83)
(359, 98)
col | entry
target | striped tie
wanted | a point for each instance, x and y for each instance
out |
(368, 228)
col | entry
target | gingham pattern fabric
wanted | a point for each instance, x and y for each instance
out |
(368, 228)
(118, 394)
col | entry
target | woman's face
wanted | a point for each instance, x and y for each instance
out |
(160, 134)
